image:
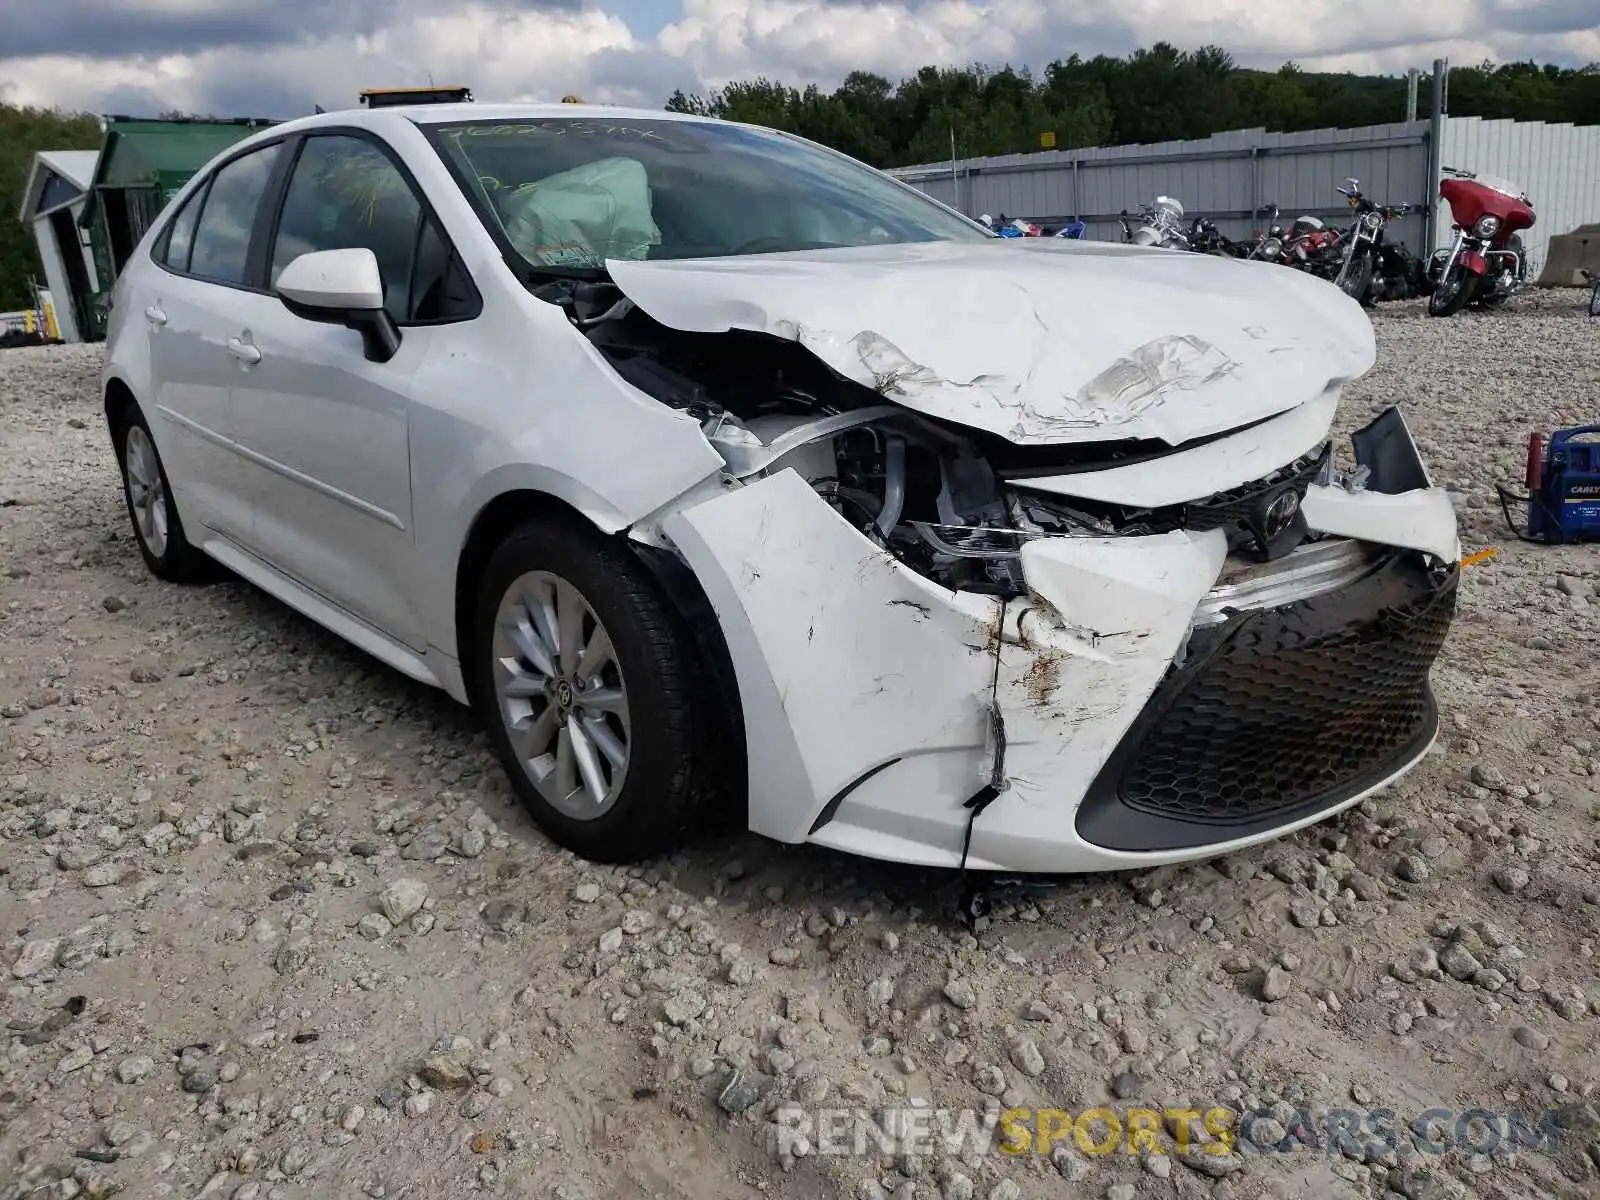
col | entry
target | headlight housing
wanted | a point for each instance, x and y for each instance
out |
(1487, 226)
(1372, 220)
(1271, 247)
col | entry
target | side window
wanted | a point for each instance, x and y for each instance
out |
(441, 290)
(345, 193)
(222, 237)
(179, 237)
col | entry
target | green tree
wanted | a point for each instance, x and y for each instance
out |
(1156, 94)
(23, 133)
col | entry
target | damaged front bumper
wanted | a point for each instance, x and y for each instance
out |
(1144, 699)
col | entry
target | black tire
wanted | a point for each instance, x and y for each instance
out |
(177, 561)
(1446, 301)
(670, 782)
(1357, 281)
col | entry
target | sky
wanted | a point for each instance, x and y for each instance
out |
(257, 58)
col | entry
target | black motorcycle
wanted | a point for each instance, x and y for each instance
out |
(1206, 238)
(1375, 268)
(1267, 245)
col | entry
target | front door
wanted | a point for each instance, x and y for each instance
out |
(323, 431)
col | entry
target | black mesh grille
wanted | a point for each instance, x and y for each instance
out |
(1279, 713)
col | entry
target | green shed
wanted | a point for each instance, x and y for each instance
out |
(143, 164)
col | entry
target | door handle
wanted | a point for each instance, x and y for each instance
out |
(154, 315)
(244, 351)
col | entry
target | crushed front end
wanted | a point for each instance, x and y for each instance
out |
(952, 648)
(1079, 686)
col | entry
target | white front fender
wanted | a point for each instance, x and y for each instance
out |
(867, 690)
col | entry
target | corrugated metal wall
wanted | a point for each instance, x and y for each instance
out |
(1227, 177)
(1558, 166)
(1230, 175)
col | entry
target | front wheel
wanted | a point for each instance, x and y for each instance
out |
(587, 680)
(1453, 292)
(1355, 277)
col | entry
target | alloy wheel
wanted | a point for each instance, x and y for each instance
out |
(561, 695)
(146, 490)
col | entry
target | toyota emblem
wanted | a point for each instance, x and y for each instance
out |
(1280, 514)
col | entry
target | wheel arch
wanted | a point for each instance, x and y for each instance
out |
(678, 584)
(493, 523)
(119, 400)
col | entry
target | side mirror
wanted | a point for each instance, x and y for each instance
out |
(342, 287)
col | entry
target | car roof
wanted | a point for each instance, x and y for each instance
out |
(440, 114)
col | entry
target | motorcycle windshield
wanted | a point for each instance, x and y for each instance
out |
(1504, 186)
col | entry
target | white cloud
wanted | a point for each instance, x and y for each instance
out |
(507, 51)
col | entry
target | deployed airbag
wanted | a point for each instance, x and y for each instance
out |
(581, 217)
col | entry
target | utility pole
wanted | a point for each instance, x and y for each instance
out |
(955, 184)
(1436, 118)
(1411, 94)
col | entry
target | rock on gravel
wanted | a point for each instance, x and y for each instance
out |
(402, 899)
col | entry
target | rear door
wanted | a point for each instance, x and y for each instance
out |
(202, 256)
(325, 432)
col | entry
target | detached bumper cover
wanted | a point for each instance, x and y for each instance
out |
(1278, 714)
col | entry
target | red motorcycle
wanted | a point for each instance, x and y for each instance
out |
(1313, 247)
(1485, 264)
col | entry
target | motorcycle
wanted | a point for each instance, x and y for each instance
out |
(1073, 229)
(1004, 226)
(1158, 225)
(1374, 268)
(1312, 247)
(1268, 243)
(1485, 262)
(1206, 238)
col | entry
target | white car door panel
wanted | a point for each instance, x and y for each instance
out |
(189, 307)
(193, 419)
(323, 438)
(324, 431)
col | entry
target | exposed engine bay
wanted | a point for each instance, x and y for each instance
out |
(950, 502)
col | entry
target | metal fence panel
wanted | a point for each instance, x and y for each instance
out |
(1227, 177)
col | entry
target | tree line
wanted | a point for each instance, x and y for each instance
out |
(1153, 95)
(23, 133)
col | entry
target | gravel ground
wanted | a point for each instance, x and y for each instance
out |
(274, 928)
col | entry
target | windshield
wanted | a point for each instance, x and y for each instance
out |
(571, 192)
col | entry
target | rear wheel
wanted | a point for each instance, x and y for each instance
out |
(151, 508)
(1454, 291)
(587, 681)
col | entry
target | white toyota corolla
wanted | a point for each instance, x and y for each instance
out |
(713, 467)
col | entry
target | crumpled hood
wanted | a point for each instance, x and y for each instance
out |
(1037, 340)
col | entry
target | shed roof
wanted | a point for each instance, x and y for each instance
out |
(73, 167)
(137, 151)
